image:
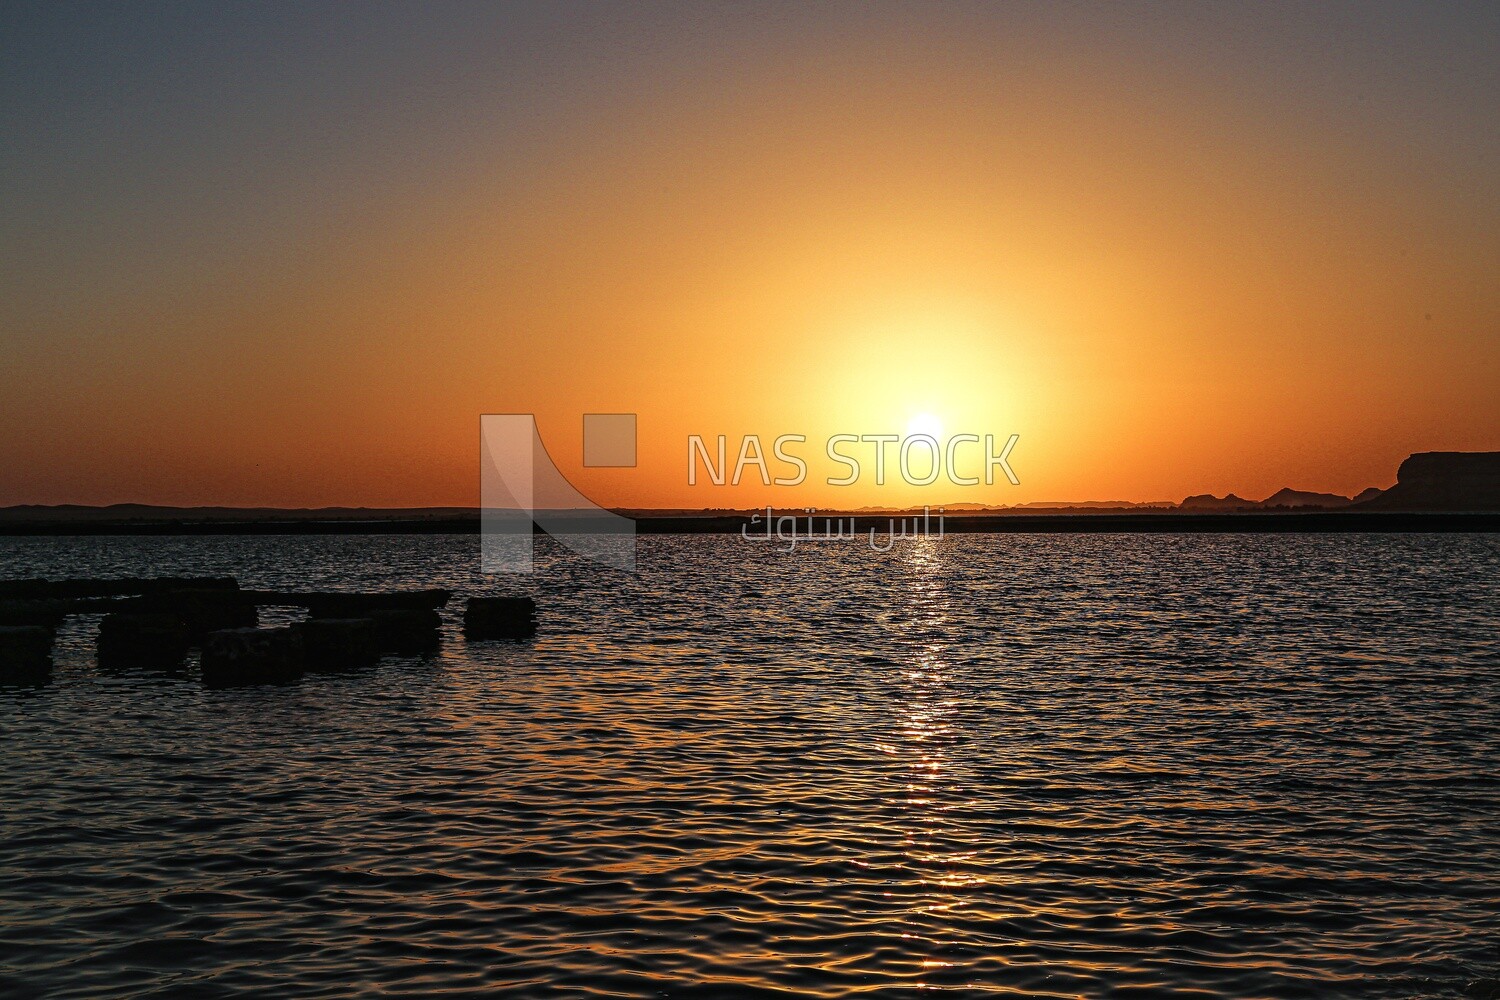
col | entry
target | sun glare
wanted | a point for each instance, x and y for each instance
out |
(925, 423)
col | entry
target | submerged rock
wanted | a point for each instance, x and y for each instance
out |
(338, 643)
(500, 618)
(241, 656)
(25, 654)
(143, 640)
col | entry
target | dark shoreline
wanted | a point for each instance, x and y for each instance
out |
(1251, 523)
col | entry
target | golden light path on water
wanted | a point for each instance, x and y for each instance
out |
(927, 720)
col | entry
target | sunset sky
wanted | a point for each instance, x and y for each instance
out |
(286, 255)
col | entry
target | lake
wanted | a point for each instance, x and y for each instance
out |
(1016, 765)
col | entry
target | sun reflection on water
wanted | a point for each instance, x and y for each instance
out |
(936, 856)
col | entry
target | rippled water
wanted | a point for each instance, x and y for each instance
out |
(1049, 766)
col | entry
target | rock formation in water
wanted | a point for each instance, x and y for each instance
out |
(25, 654)
(500, 618)
(332, 644)
(157, 641)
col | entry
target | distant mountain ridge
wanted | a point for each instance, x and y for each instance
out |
(1426, 481)
(1286, 497)
(1093, 505)
(1457, 481)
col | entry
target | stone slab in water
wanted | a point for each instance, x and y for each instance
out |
(407, 631)
(36, 589)
(203, 611)
(25, 654)
(338, 643)
(47, 613)
(143, 640)
(246, 656)
(326, 604)
(500, 618)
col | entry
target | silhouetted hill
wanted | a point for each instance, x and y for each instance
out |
(1207, 501)
(1443, 480)
(1287, 497)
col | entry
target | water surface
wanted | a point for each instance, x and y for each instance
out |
(1016, 765)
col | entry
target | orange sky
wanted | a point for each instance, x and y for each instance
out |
(1236, 265)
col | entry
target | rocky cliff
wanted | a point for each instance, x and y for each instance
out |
(1443, 480)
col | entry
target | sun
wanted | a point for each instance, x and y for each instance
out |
(925, 424)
